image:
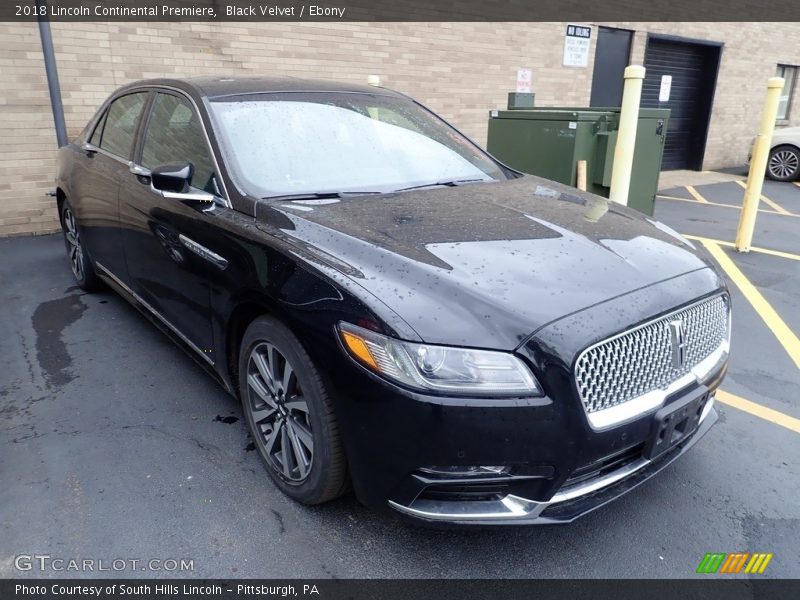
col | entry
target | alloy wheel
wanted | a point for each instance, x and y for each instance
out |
(279, 413)
(783, 163)
(75, 249)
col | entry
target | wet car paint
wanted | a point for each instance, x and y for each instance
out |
(523, 264)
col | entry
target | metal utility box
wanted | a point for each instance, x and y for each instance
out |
(550, 141)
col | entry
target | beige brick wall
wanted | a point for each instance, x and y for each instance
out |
(460, 70)
(27, 152)
(749, 57)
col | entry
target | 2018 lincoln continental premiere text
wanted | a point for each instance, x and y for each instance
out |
(398, 312)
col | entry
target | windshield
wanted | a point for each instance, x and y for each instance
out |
(296, 143)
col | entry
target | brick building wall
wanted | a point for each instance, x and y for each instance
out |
(460, 70)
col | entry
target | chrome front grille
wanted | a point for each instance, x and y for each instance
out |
(641, 360)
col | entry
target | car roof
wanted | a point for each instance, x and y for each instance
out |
(221, 86)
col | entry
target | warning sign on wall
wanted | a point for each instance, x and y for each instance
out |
(666, 86)
(576, 45)
(524, 78)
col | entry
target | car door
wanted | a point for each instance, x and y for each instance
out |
(96, 188)
(164, 237)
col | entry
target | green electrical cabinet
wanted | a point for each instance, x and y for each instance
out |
(550, 141)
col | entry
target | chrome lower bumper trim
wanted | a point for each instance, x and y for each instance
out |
(511, 507)
(507, 507)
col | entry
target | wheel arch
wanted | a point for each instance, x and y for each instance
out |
(241, 316)
(791, 145)
(244, 310)
(61, 197)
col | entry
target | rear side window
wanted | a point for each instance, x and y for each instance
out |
(120, 125)
(98, 131)
(174, 134)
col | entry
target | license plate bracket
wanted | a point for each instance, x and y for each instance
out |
(675, 422)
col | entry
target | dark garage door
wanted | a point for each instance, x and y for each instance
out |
(693, 68)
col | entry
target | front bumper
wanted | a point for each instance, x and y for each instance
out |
(402, 446)
(566, 505)
(555, 466)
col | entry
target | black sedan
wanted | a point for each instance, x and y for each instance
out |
(398, 312)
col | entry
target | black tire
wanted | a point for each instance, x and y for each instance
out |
(267, 347)
(81, 264)
(784, 163)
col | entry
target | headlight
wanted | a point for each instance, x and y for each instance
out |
(429, 368)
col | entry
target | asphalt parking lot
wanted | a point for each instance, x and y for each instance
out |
(114, 444)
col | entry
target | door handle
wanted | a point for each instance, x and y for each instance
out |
(203, 252)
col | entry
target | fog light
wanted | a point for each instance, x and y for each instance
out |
(465, 471)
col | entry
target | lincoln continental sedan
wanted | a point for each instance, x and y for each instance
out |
(400, 314)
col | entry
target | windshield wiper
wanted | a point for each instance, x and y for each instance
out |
(318, 195)
(448, 183)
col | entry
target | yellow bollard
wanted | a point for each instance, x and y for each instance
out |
(581, 177)
(626, 136)
(758, 166)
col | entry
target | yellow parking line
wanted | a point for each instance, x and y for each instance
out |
(695, 194)
(779, 253)
(777, 207)
(797, 183)
(771, 318)
(758, 410)
(763, 210)
(677, 198)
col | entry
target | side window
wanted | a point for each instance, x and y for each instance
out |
(98, 130)
(789, 73)
(120, 126)
(175, 134)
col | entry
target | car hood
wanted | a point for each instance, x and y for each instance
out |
(486, 264)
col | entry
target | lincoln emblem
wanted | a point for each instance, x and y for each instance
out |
(678, 343)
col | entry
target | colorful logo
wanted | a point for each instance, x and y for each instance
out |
(736, 562)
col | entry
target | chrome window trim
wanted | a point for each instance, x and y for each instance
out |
(138, 170)
(154, 88)
(99, 119)
(89, 147)
(155, 313)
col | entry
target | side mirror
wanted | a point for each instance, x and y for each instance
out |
(172, 181)
(172, 177)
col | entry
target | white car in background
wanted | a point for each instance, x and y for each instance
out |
(784, 156)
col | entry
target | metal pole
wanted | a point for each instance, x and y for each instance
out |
(758, 165)
(52, 75)
(626, 136)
